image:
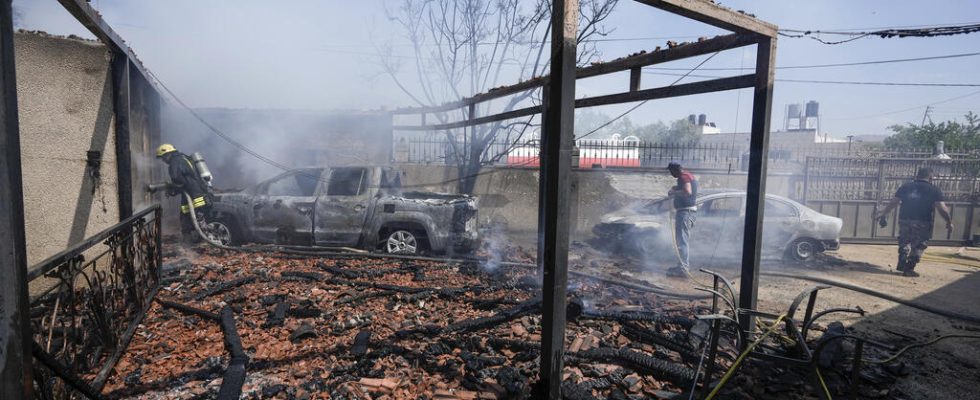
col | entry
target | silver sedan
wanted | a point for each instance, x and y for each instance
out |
(790, 229)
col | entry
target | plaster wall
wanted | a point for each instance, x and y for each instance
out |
(65, 104)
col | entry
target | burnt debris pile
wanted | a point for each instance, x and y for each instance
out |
(258, 326)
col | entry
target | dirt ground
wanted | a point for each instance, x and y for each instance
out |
(945, 370)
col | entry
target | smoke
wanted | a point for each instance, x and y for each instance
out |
(495, 244)
(289, 138)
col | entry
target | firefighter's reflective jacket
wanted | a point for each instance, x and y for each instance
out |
(185, 178)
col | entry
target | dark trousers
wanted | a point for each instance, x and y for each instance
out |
(187, 231)
(912, 242)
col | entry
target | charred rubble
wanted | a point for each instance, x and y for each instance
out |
(230, 325)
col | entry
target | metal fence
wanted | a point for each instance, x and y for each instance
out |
(640, 154)
(853, 189)
(89, 300)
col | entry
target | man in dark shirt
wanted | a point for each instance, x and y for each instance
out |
(915, 219)
(685, 195)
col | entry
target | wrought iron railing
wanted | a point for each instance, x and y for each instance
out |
(87, 302)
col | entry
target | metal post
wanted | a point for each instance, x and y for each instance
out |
(556, 145)
(756, 185)
(856, 369)
(124, 168)
(15, 328)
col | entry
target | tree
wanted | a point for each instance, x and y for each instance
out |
(465, 47)
(955, 135)
(597, 126)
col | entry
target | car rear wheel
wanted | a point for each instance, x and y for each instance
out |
(401, 242)
(803, 249)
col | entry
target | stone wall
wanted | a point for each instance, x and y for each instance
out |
(510, 195)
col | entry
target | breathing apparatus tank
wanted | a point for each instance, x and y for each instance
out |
(202, 167)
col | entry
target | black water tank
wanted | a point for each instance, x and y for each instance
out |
(812, 109)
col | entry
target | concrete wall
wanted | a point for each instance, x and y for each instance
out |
(65, 104)
(510, 195)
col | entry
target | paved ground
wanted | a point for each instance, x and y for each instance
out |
(946, 370)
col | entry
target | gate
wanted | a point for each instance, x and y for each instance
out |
(853, 189)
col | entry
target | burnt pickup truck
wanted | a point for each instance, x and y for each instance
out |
(360, 207)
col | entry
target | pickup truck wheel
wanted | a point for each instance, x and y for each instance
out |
(401, 242)
(221, 231)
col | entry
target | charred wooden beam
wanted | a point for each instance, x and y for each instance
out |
(234, 377)
(15, 329)
(557, 140)
(222, 287)
(638, 316)
(121, 106)
(661, 369)
(756, 182)
(686, 89)
(186, 309)
(64, 373)
(715, 15)
(631, 63)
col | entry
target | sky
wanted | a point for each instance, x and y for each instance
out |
(323, 55)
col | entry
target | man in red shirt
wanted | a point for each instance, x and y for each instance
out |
(685, 195)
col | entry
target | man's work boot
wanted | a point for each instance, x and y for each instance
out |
(910, 273)
(902, 261)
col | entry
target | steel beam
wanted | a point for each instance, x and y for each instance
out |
(756, 185)
(124, 163)
(715, 15)
(15, 327)
(556, 161)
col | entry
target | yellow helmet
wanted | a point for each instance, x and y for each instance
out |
(165, 148)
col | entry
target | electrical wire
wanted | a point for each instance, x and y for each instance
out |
(823, 384)
(631, 109)
(741, 357)
(897, 354)
(697, 372)
(910, 108)
(848, 64)
(927, 84)
(935, 31)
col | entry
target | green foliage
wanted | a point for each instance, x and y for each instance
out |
(956, 136)
(680, 132)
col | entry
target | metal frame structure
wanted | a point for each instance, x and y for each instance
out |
(15, 328)
(558, 103)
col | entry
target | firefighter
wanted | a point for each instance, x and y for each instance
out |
(184, 177)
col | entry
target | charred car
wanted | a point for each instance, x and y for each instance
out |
(360, 207)
(790, 229)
